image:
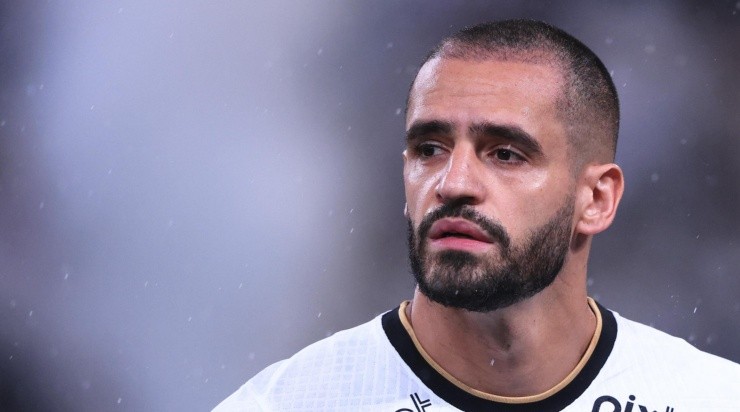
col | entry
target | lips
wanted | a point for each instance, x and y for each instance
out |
(458, 228)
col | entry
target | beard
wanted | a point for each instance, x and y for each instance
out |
(498, 278)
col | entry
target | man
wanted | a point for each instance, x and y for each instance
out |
(509, 173)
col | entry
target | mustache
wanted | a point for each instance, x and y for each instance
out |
(467, 212)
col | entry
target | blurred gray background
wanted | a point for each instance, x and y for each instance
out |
(190, 191)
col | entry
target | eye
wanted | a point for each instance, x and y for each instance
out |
(506, 155)
(428, 150)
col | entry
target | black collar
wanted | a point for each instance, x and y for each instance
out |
(465, 401)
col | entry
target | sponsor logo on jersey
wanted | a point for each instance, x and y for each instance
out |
(419, 405)
(613, 405)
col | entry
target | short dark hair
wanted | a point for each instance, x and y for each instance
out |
(589, 105)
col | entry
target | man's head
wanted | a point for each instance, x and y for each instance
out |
(588, 104)
(511, 128)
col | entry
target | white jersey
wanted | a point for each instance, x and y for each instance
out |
(377, 367)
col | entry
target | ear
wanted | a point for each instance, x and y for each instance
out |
(599, 193)
(406, 210)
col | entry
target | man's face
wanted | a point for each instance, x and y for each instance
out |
(488, 186)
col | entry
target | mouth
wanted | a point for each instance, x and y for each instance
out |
(458, 234)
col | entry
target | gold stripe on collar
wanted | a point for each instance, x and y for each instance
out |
(507, 399)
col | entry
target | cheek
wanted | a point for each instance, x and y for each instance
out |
(531, 202)
(519, 196)
(419, 186)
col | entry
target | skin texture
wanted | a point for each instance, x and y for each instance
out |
(535, 342)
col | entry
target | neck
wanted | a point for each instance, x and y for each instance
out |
(529, 349)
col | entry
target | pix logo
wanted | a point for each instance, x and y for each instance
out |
(617, 407)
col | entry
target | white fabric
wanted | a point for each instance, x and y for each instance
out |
(359, 370)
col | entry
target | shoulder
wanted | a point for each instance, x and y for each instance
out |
(669, 357)
(647, 369)
(323, 370)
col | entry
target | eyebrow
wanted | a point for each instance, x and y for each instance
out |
(509, 133)
(512, 134)
(419, 130)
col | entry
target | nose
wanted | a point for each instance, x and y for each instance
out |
(461, 180)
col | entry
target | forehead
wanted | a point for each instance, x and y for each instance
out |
(504, 92)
